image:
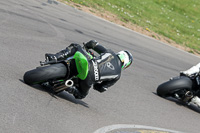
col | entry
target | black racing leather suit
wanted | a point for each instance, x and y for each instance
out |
(104, 70)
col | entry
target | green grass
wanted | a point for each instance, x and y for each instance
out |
(178, 20)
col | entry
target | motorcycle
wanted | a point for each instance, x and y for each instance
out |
(183, 88)
(54, 73)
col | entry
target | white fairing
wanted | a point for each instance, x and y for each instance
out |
(192, 70)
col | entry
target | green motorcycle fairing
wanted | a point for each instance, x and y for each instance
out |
(81, 64)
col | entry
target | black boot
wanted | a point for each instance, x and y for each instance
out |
(91, 44)
(79, 94)
(76, 93)
(58, 56)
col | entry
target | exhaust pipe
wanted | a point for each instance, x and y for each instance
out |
(69, 83)
(188, 96)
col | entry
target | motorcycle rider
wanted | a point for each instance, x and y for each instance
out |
(104, 70)
(191, 71)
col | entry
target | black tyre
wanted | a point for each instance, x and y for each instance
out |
(42, 74)
(170, 87)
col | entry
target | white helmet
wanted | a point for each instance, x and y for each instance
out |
(126, 58)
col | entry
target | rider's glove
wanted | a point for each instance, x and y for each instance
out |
(91, 44)
(99, 87)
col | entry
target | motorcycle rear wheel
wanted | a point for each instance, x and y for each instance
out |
(170, 87)
(43, 74)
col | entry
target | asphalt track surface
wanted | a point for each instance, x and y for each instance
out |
(31, 28)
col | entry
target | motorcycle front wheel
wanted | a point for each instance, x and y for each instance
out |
(170, 87)
(43, 74)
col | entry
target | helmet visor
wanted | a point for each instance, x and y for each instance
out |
(124, 57)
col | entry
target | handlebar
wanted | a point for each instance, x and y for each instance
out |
(43, 63)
